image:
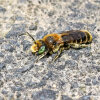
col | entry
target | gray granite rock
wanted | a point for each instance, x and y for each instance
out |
(9, 59)
(91, 6)
(88, 81)
(4, 92)
(25, 68)
(1, 98)
(74, 85)
(64, 97)
(2, 10)
(41, 83)
(76, 15)
(94, 81)
(32, 27)
(22, 1)
(1, 54)
(30, 84)
(40, 35)
(19, 18)
(1, 40)
(87, 97)
(51, 13)
(1, 83)
(44, 95)
(2, 65)
(14, 43)
(26, 45)
(71, 64)
(17, 30)
(48, 75)
(75, 72)
(75, 54)
(8, 47)
(16, 88)
(18, 94)
(61, 67)
(98, 77)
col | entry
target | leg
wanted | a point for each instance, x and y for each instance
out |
(40, 56)
(58, 54)
(78, 46)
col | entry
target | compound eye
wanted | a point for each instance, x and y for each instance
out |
(41, 50)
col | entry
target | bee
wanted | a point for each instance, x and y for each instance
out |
(56, 43)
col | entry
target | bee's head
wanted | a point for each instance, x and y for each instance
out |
(39, 47)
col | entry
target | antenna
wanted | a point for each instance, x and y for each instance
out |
(31, 37)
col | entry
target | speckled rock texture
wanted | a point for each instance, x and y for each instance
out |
(74, 76)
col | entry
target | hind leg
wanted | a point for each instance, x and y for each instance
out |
(78, 46)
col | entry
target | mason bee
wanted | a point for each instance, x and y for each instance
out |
(56, 43)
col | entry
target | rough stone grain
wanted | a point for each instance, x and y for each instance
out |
(76, 73)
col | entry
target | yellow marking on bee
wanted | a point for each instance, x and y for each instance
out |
(34, 48)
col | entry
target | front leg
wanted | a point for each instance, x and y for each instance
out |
(41, 56)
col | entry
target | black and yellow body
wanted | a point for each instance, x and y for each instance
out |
(56, 43)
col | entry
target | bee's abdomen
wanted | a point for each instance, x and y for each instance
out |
(76, 36)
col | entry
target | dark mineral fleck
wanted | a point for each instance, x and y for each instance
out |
(44, 95)
(3, 10)
(33, 27)
(17, 30)
(8, 47)
(64, 97)
(2, 65)
(1, 54)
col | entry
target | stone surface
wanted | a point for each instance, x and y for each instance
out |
(64, 97)
(1, 98)
(98, 77)
(76, 73)
(33, 27)
(44, 95)
(3, 10)
(7, 47)
(17, 30)
(1, 54)
(2, 66)
(26, 45)
(86, 98)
